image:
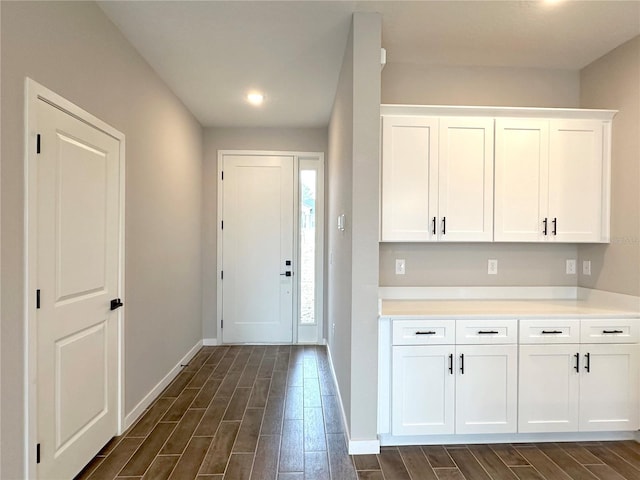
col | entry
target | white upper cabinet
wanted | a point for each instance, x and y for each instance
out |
(551, 170)
(437, 179)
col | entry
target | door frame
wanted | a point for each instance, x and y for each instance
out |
(34, 93)
(320, 275)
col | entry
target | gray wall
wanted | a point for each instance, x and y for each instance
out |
(613, 81)
(466, 264)
(74, 50)
(354, 191)
(281, 139)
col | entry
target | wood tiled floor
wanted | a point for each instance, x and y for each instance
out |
(270, 413)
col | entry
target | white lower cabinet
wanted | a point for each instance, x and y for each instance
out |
(448, 389)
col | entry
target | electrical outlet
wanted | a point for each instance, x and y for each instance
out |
(492, 266)
(571, 266)
(586, 267)
(399, 266)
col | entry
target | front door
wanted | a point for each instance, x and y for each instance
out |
(257, 248)
(77, 275)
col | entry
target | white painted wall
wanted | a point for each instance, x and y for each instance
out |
(73, 49)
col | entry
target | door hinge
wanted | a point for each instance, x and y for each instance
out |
(221, 274)
(221, 323)
(222, 175)
(222, 225)
(38, 143)
(38, 453)
(38, 298)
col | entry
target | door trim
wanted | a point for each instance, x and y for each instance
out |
(34, 93)
(297, 156)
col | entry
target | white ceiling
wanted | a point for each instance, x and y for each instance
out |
(211, 53)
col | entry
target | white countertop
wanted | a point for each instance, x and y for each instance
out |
(501, 308)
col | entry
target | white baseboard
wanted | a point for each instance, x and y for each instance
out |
(209, 342)
(139, 409)
(355, 447)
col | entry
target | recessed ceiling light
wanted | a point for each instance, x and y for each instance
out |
(255, 98)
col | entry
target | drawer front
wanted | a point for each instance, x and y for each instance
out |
(619, 330)
(424, 332)
(550, 331)
(486, 332)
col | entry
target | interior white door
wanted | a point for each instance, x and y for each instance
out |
(78, 212)
(257, 243)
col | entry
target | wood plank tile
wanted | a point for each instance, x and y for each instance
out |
(110, 445)
(89, 468)
(224, 365)
(468, 464)
(190, 461)
(579, 453)
(207, 392)
(312, 393)
(332, 414)
(316, 466)
(626, 451)
(391, 464)
(635, 446)
(247, 438)
(416, 463)
(314, 434)
(604, 472)
(295, 376)
(542, 463)
(212, 417)
(260, 392)
(273, 413)
(199, 359)
(179, 384)
(297, 354)
(527, 473)
(239, 467)
(112, 464)
(183, 432)
(266, 367)
(509, 455)
(180, 406)
(210, 477)
(449, 474)
(151, 418)
(622, 467)
(339, 461)
(292, 448)
(294, 409)
(241, 361)
(145, 455)
(366, 462)
(219, 452)
(291, 476)
(282, 362)
(265, 464)
(249, 375)
(327, 385)
(278, 386)
(161, 467)
(216, 356)
(370, 475)
(310, 367)
(438, 456)
(201, 377)
(237, 404)
(491, 462)
(566, 462)
(228, 385)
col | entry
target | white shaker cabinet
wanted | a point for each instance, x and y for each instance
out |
(437, 179)
(551, 180)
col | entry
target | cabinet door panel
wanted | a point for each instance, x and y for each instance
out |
(575, 180)
(409, 178)
(609, 390)
(465, 172)
(423, 391)
(548, 388)
(486, 393)
(521, 162)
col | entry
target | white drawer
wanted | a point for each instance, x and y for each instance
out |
(618, 330)
(486, 332)
(550, 331)
(424, 332)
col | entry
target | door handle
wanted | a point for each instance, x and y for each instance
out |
(555, 226)
(444, 225)
(433, 230)
(587, 363)
(487, 332)
(451, 363)
(551, 332)
(462, 363)
(612, 331)
(116, 303)
(544, 222)
(428, 332)
(577, 367)
(286, 274)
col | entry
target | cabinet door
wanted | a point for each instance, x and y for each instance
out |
(609, 388)
(521, 162)
(465, 171)
(409, 178)
(549, 384)
(423, 390)
(486, 389)
(575, 180)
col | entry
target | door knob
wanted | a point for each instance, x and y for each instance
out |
(286, 274)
